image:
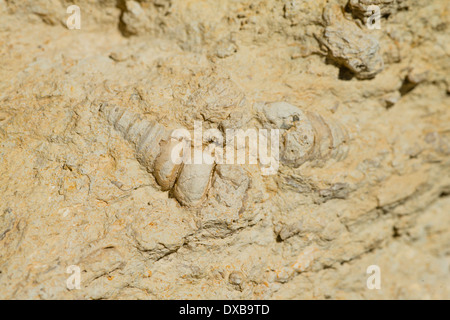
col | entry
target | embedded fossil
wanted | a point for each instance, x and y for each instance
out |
(145, 135)
(361, 8)
(154, 145)
(307, 137)
(193, 183)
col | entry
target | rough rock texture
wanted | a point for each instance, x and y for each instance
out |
(362, 8)
(73, 192)
(351, 46)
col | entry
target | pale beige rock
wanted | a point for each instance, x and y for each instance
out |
(75, 193)
(351, 46)
(134, 18)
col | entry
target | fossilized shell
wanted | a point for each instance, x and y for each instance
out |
(308, 136)
(166, 169)
(281, 115)
(323, 138)
(145, 135)
(193, 184)
(298, 143)
(316, 139)
(340, 139)
(157, 151)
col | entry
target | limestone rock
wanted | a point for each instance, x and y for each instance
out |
(350, 46)
(360, 8)
(364, 159)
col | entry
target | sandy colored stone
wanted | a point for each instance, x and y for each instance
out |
(73, 191)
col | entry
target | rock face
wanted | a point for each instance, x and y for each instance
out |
(92, 208)
(362, 8)
(350, 46)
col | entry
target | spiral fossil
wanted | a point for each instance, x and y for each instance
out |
(306, 137)
(154, 145)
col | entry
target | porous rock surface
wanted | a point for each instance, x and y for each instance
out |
(72, 192)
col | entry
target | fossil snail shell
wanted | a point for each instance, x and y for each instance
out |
(307, 136)
(315, 139)
(144, 135)
(166, 171)
(193, 183)
(154, 147)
